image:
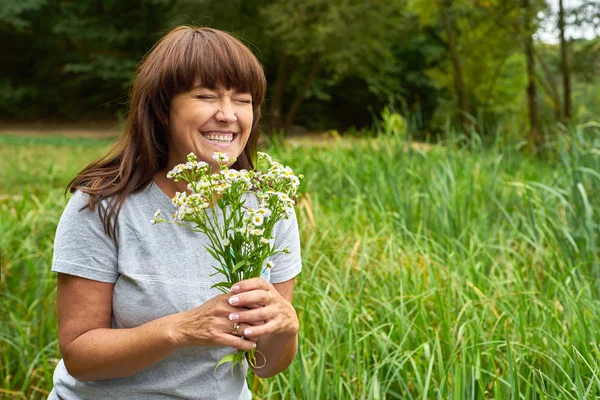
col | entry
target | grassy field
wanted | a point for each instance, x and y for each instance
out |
(452, 273)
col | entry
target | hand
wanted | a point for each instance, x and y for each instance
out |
(209, 325)
(269, 312)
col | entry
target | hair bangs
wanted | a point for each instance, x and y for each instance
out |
(213, 59)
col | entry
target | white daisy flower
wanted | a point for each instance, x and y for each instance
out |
(222, 187)
(257, 219)
(231, 174)
(220, 156)
(264, 156)
(265, 212)
(180, 199)
(249, 214)
(155, 218)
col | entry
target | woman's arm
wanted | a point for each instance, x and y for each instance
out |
(277, 332)
(92, 350)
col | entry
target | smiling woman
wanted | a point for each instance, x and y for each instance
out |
(138, 315)
(208, 120)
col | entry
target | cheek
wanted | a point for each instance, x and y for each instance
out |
(247, 117)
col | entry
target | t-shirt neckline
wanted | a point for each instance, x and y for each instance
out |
(156, 194)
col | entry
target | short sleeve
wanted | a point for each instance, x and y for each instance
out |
(81, 247)
(286, 265)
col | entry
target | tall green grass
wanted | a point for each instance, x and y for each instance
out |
(461, 272)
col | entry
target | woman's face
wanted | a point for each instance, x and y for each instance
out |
(204, 121)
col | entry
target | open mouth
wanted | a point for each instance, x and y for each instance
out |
(219, 137)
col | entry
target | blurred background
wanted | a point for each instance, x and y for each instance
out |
(519, 66)
(463, 268)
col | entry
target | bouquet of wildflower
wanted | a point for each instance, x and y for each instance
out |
(241, 238)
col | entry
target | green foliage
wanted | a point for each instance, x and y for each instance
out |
(451, 272)
(343, 35)
(14, 12)
(73, 58)
(392, 123)
(328, 64)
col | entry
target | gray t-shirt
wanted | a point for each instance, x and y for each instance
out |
(157, 270)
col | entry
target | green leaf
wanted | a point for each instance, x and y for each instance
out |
(225, 359)
(239, 265)
(212, 253)
(222, 285)
(220, 270)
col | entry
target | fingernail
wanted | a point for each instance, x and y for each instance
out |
(234, 317)
(234, 300)
(253, 345)
(235, 289)
(248, 332)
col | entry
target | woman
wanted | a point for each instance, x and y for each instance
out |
(136, 313)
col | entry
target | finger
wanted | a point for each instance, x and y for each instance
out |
(253, 317)
(226, 307)
(251, 298)
(257, 331)
(250, 284)
(237, 342)
(252, 339)
(240, 332)
(256, 323)
(238, 329)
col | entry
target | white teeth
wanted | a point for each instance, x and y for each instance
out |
(219, 138)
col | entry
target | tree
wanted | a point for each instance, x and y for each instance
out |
(447, 17)
(106, 39)
(72, 58)
(564, 62)
(339, 39)
(444, 13)
(490, 57)
(533, 137)
(588, 14)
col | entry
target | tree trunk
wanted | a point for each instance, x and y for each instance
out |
(534, 134)
(551, 87)
(459, 83)
(564, 62)
(291, 114)
(279, 86)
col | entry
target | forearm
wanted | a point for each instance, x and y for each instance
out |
(115, 353)
(278, 351)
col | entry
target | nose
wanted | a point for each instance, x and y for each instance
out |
(226, 113)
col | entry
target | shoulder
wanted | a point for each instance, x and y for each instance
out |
(85, 217)
(80, 201)
(78, 209)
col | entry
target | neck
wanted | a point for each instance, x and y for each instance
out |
(169, 186)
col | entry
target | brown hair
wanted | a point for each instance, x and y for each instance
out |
(182, 58)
